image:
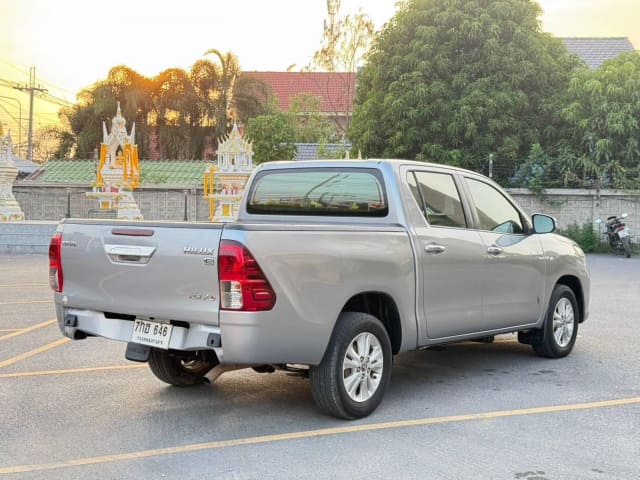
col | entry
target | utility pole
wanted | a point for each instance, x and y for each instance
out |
(491, 165)
(32, 89)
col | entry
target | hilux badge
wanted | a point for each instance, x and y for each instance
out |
(198, 251)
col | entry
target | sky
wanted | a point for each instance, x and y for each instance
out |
(74, 43)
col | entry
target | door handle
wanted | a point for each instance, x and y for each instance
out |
(434, 248)
(493, 250)
(129, 253)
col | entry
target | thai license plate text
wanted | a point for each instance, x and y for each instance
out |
(153, 334)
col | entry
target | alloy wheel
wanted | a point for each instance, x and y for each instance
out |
(563, 322)
(362, 367)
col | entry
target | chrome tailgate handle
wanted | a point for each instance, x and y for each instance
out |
(129, 253)
(434, 248)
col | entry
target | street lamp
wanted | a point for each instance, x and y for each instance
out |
(19, 119)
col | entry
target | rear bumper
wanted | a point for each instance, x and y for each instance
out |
(249, 339)
(90, 322)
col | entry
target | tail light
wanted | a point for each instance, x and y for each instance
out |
(55, 262)
(243, 285)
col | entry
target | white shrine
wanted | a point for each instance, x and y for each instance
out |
(118, 171)
(224, 183)
(9, 208)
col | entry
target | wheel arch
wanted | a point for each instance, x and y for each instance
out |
(382, 306)
(574, 284)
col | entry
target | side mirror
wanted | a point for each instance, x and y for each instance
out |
(598, 221)
(543, 223)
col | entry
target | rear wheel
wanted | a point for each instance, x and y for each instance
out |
(626, 246)
(558, 335)
(181, 370)
(354, 373)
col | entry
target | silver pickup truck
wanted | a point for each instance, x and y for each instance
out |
(331, 269)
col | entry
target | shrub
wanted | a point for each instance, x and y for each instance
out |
(585, 236)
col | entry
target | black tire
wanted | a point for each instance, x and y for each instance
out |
(180, 370)
(626, 246)
(328, 378)
(545, 341)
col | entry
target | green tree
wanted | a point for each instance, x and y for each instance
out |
(603, 116)
(251, 97)
(227, 71)
(47, 142)
(272, 136)
(344, 42)
(94, 105)
(453, 81)
(176, 113)
(185, 111)
(310, 125)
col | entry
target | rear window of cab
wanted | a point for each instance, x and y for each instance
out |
(346, 192)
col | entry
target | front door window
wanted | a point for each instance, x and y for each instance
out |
(495, 212)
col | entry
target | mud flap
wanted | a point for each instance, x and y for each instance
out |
(137, 352)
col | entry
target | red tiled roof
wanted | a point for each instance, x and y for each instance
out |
(336, 89)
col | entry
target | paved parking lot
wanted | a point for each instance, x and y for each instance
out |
(78, 410)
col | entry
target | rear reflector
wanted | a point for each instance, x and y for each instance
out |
(55, 262)
(243, 285)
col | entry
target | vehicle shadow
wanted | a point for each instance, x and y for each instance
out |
(458, 373)
(244, 395)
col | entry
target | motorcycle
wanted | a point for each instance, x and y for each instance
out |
(617, 234)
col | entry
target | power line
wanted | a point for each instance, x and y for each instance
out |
(49, 85)
(14, 66)
(53, 86)
(47, 97)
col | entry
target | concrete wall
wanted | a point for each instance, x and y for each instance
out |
(582, 206)
(44, 205)
(50, 202)
(26, 237)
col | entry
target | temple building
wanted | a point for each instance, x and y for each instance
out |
(9, 208)
(118, 171)
(224, 182)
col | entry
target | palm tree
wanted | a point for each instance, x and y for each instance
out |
(227, 72)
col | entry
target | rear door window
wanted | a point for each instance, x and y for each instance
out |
(438, 197)
(357, 192)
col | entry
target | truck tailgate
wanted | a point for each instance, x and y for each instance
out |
(150, 270)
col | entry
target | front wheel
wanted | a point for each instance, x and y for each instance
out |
(355, 370)
(560, 330)
(181, 370)
(626, 246)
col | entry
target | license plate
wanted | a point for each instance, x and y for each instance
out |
(153, 334)
(623, 233)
